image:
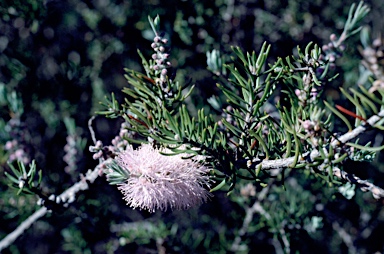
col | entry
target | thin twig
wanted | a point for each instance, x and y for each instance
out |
(10, 238)
(347, 238)
(250, 211)
(364, 185)
(284, 238)
(91, 129)
(67, 195)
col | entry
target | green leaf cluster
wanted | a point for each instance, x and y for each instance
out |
(251, 129)
(24, 179)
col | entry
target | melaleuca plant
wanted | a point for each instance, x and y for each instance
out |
(273, 120)
(254, 138)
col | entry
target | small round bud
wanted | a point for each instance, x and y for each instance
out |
(9, 145)
(123, 132)
(19, 153)
(97, 155)
(369, 52)
(307, 124)
(377, 43)
(157, 39)
(164, 72)
(333, 37)
(21, 184)
(375, 67)
(161, 49)
(154, 56)
(325, 48)
(153, 45)
(372, 59)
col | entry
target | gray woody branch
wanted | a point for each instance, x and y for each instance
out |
(67, 196)
(364, 185)
(91, 176)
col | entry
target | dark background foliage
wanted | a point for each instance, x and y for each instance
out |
(63, 57)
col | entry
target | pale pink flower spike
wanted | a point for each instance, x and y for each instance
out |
(158, 181)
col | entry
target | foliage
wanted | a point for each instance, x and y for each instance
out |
(292, 139)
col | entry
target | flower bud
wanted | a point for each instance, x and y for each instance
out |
(21, 184)
(377, 43)
(333, 37)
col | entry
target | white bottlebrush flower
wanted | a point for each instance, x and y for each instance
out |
(158, 181)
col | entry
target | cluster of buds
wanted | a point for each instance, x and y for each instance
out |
(16, 146)
(119, 143)
(308, 93)
(160, 57)
(374, 62)
(334, 49)
(97, 149)
(71, 154)
(303, 95)
(312, 129)
(16, 152)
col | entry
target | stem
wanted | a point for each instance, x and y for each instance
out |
(69, 194)
(364, 185)
(250, 211)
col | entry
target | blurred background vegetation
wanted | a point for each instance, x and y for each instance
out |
(63, 57)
